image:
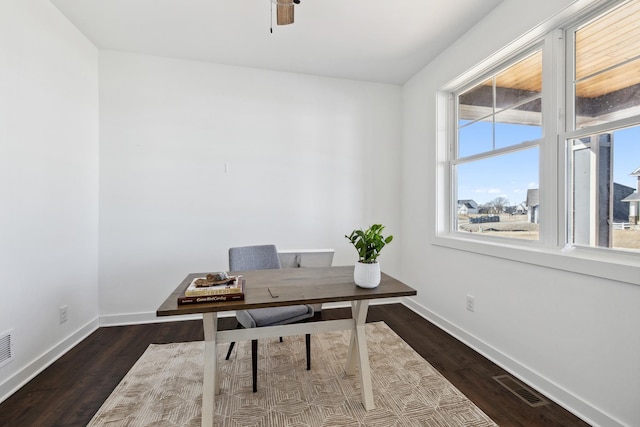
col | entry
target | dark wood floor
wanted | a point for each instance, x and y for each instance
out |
(71, 390)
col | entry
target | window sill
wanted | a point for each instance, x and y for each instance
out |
(614, 265)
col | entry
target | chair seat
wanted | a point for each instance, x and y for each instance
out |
(259, 317)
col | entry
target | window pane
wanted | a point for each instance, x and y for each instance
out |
(502, 111)
(477, 102)
(519, 82)
(518, 125)
(601, 99)
(608, 40)
(513, 126)
(606, 169)
(607, 81)
(475, 138)
(499, 195)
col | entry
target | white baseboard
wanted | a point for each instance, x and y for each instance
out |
(553, 391)
(19, 379)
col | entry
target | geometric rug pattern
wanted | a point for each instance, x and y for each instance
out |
(164, 387)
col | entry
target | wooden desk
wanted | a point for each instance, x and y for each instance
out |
(292, 286)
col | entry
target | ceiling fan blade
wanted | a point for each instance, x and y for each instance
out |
(284, 12)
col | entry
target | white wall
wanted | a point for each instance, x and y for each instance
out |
(308, 159)
(301, 154)
(48, 185)
(573, 336)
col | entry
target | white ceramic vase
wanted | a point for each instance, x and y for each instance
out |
(366, 275)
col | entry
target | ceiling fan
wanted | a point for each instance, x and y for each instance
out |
(284, 11)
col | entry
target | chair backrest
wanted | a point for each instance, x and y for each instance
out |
(260, 257)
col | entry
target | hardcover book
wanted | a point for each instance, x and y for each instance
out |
(198, 299)
(210, 298)
(197, 290)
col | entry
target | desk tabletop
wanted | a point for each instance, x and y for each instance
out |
(292, 286)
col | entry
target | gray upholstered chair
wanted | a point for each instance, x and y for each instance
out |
(264, 257)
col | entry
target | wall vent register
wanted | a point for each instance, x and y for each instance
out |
(525, 393)
(6, 348)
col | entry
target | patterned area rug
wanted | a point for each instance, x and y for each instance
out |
(164, 388)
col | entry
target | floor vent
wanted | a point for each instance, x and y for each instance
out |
(6, 348)
(525, 393)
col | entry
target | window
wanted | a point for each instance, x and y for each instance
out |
(544, 144)
(496, 164)
(604, 129)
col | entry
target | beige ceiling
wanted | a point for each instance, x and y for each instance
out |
(372, 40)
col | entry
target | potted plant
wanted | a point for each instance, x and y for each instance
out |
(368, 243)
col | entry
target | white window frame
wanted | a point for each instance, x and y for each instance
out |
(551, 250)
(571, 133)
(525, 145)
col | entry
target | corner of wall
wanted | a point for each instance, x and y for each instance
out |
(40, 363)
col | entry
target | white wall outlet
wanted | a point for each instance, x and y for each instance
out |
(63, 314)
(470, 303)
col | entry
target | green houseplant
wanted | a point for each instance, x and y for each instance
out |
(368, 244)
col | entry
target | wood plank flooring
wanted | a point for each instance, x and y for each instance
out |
(72, 389)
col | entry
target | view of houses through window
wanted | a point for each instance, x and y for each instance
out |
(497, 160)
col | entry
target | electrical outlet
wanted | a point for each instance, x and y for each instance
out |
(63, 314)
(470, 303)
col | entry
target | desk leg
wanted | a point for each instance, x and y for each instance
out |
(352, 354)
(211, 381)
(358, 350)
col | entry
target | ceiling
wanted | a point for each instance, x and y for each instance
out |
(372, 40)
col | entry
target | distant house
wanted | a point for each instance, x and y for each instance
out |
(634, 201)
(621, 205)
(533, 204)
(466, 207)
(519, 209)
(620, 209)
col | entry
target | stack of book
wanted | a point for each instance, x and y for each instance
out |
(201, 290)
